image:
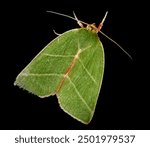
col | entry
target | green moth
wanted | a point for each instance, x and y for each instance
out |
(70, 67)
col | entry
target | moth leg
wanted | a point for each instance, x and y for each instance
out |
(102, 22)
(56, 33)
(79, 23)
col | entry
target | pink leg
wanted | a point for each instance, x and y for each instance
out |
(79, 23)
(101, 24)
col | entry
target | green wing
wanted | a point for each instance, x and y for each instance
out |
(71, 66)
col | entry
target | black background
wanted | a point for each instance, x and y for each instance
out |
(28, 28)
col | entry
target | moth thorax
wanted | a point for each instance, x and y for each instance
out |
(92, 27)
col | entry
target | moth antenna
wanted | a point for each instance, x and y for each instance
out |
(56, 33)
(61, 14)
(99, 28)
(116, 44)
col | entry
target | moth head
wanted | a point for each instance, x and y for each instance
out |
(92, 27)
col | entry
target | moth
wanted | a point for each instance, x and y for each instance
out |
(71, 67)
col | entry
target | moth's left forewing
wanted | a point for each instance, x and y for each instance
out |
(44, 73)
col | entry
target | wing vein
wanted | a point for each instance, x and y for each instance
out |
(63, 56)
(88, 72)
(38, 75)
(79, 94)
